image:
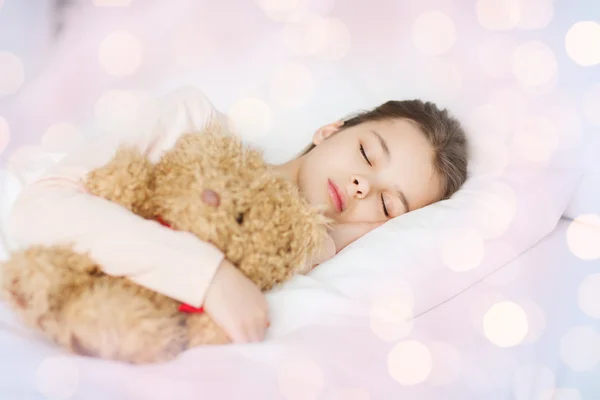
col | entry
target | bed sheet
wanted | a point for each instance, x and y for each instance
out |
(526, 331)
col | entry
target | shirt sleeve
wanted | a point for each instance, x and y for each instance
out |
(56, 209)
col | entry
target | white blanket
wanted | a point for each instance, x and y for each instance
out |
(324, 346)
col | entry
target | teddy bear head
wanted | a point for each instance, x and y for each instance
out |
(225, 193)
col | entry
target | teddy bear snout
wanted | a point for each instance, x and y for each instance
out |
(210, 197)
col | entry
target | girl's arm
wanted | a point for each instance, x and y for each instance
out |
(57, 210)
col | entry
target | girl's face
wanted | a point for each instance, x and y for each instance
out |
(370, 172)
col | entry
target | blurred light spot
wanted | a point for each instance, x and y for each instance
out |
(569, 126)
(308, 36)
(192, 46)
(391, 317)
(591, 104)
(495, 208)
(462, 250)
(62, 138)
(446, 362)
(409, 362)
(583, 237)
(480, 306)
(534, 64)
(488, 120)
(496, 54)
(536, 321)
(433, 33)
(512, 102)
(562, 394)
(4, 134)
(489, 156)
(532, 382)
(589, 295)
(498, 15)
(279, 10)
(119, 110)
(12, 73)
(120, 54)
(300, 378)
(295, 10)
(505, 274)
(291, 85)
(339, 40)
(444, 79)
(57, 377)
(23, 157)
(250, 118)
(583, 43)
(535, 14)
(112, 3)
(536, 139)
(580, 348)
(505, 324)
(350, 394)
(1, 4)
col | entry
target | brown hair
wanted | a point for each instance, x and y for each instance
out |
(443, 131)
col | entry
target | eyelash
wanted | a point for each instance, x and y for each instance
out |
(362, 150)
(385, 211)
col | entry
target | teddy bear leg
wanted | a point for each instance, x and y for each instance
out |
(33, 281)
(113, 318)
(202, 330)
(124, 180)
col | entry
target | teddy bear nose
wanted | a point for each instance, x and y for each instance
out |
(210, 197)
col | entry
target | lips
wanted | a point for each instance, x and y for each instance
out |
(336, 196)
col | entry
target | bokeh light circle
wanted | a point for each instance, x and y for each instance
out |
(589, 295)
(534, 64)
(433, 33)
(536, 139)
(391, 317)
(580, 348)
(12, 73)
(120, 54)
(583, 43)
(462, 250)
(498, 15)
(62, 138)
(583, 236)
(505, 324)
(535, 14)
(409, 363)
(291, 85)
(250, 117)
(119, 110)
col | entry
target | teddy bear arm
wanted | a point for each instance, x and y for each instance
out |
(126, 179)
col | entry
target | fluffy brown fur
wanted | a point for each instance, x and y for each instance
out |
(262, 225)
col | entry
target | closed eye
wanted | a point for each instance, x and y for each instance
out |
(385, 210)
(362, 150)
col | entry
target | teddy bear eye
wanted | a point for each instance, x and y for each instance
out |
(240, 218)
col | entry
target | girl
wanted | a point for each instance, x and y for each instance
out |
(374, 166)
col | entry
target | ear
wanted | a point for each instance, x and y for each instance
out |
(326, 131)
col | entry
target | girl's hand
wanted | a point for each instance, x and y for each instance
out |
(236, 304)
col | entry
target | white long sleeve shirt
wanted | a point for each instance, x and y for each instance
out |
(56, 209)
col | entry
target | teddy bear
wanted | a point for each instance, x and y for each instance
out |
(209, 184)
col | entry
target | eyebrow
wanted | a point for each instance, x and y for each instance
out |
(388, 154)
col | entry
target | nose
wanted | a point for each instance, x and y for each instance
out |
(210, 197)
(359, 186)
